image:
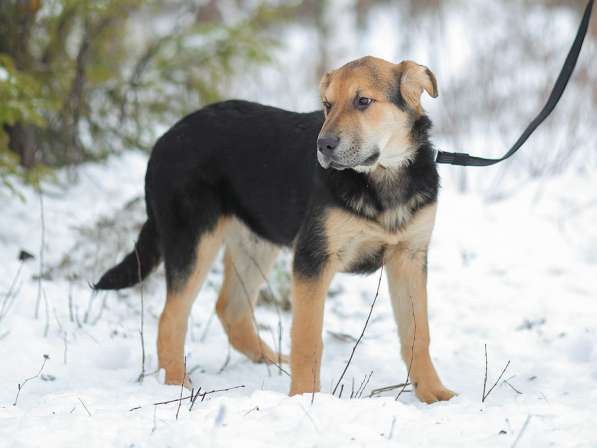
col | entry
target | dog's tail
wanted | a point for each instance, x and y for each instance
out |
(136, 265)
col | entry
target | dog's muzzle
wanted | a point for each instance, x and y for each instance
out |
(327, 161)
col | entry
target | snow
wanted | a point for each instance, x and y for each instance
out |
(512, 266)
(517, 274)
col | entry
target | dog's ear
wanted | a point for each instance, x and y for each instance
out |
(415, 78)
(325, 82)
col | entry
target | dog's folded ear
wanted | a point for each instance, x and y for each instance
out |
(415, 78)
(325, 82)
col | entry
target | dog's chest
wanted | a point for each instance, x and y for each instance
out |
(357, 244)
(391, 218)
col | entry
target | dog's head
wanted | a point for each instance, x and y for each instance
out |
(370, 108)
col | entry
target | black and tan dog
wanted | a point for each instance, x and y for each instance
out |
(246, 176)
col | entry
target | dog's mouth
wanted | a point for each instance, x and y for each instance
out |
(371, 160)
(329, 162)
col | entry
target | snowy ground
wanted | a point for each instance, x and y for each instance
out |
(516, 274)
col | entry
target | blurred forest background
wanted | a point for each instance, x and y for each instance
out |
(83, 79)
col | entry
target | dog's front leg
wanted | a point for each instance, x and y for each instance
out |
(407, 279)
(308, 298)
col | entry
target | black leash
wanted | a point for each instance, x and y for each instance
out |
(463, 159)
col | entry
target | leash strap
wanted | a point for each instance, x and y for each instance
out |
(463, 159)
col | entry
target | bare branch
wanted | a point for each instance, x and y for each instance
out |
(182, 387)
(522, 430)
(485, 395)
(507, 381)
(354, 348)
(41, 252)
(203, 395)
(88, 413)
(141, 329)
(21, 385)
(381, 390)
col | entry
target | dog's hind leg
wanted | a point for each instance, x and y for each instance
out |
(182, 290)
(247, 262)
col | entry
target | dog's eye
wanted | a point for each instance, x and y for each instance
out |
(364, 102)
(327, 106)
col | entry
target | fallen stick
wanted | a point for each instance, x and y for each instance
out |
(188, 397)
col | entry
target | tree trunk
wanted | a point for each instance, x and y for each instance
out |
(16, 22)
(22, 143)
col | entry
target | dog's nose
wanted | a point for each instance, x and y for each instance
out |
(327, 143)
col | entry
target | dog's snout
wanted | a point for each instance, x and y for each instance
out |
(327, 143)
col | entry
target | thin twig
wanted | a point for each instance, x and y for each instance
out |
(64, 335)
(226, 361)
(21, 385)
(354, 348)
(313, 389)
(485, 376)
(485, 395)
(71, 314)
(41, 252)
(364, 385)
(88, 413)
(391, 433)
(87, 313)
(522, 430)
(507, 381)
(47, 308)
(193, 399)
(141, 329)
(256, 408)
(207, 325)
(175, 400)
(182, 388)
(11, 294)
(155, 426)
(101, 311)
(381, 390)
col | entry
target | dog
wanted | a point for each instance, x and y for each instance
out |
(349, 189)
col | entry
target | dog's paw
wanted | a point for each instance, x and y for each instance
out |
(176, 379)
(430, 393)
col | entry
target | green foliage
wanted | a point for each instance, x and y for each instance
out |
(20, 101)
(81, 79)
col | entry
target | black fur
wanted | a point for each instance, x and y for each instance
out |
(368, 262)
(257, 163)
(127, 272)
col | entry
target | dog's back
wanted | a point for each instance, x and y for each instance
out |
(252, 157)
